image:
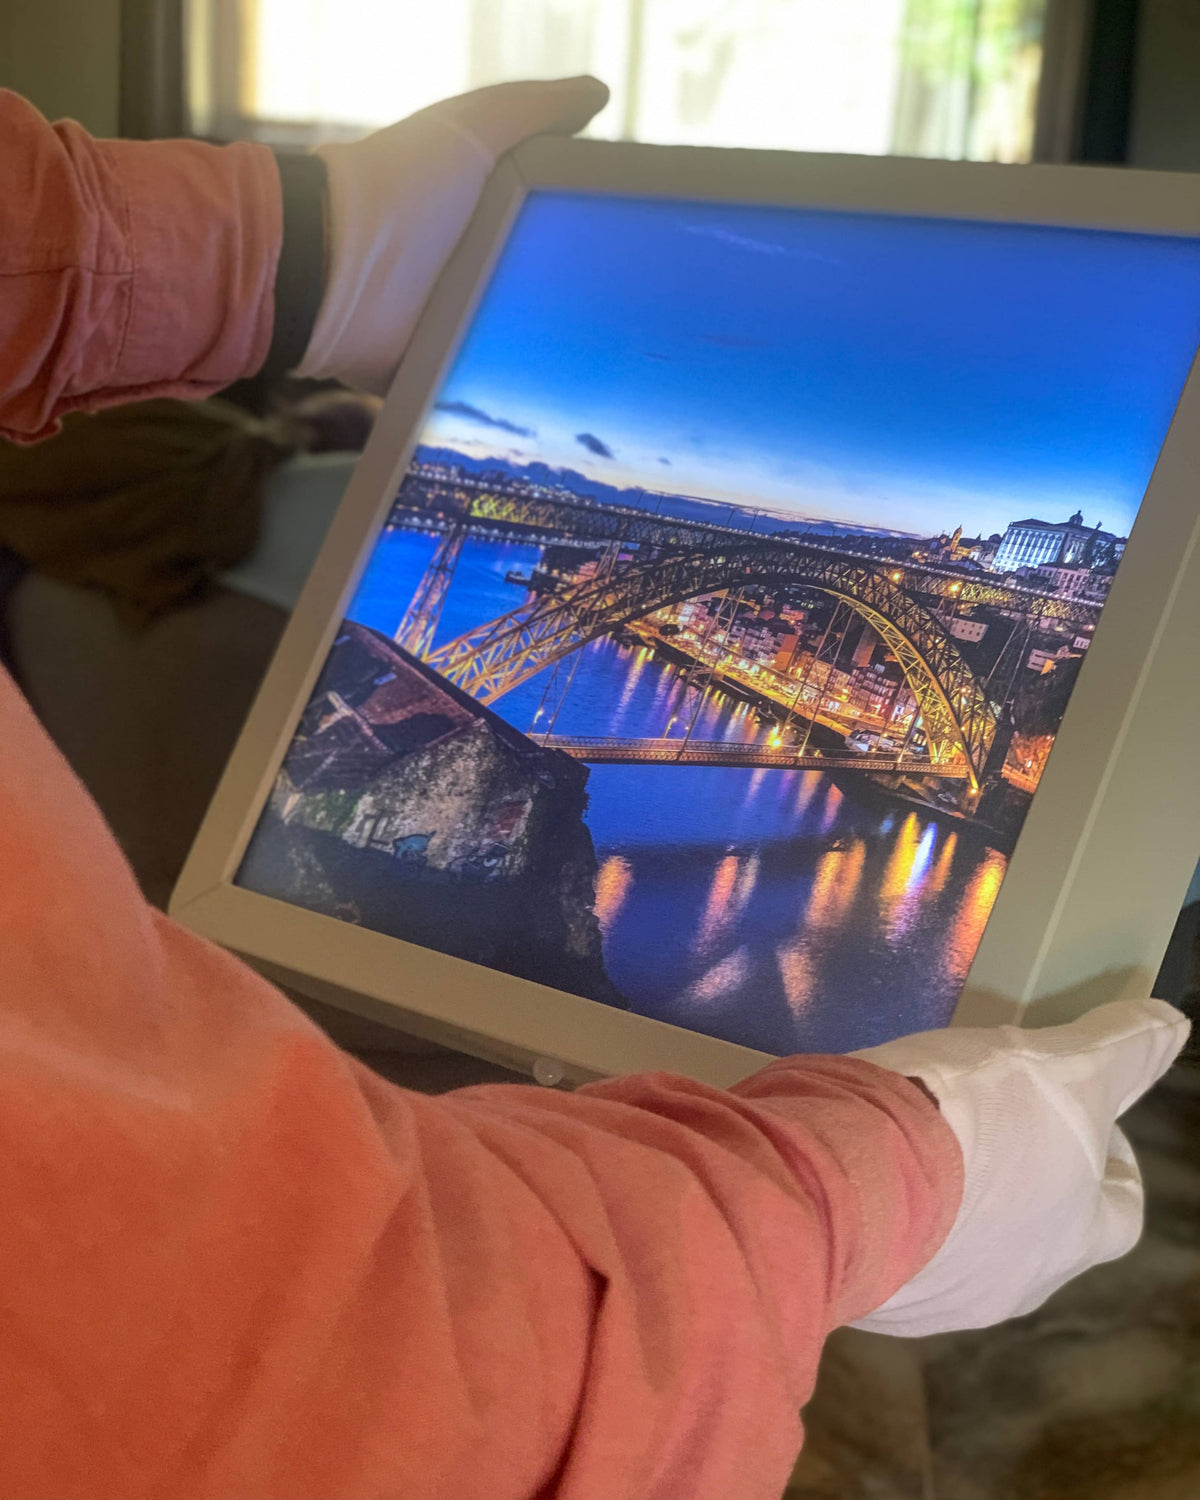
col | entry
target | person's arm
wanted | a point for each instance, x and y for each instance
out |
(134, 269)
(236, 1263)
(130, 269)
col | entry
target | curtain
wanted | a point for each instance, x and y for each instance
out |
(152, 100)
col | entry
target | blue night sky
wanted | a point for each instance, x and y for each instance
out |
(912, 374)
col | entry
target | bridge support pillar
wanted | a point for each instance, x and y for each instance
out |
(419, 625)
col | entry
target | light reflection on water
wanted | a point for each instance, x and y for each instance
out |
(974, 908)
(732, 886)
(613, 879)
(936, 883)
(775, 908)
(729, 976)
(640, 657)
(835, 886)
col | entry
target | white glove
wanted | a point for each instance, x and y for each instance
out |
(1051, 1184)
(398, 203)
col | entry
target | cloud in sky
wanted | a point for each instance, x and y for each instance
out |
(758, 246)
(593, 444)
(483, 418)
(738, 241)
(664, 460)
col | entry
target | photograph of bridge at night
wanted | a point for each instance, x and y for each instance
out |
(715, 644)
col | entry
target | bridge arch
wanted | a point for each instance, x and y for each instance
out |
(958, 717)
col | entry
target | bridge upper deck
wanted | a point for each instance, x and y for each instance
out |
(606, 523)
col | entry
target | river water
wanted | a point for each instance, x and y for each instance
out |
(786, 910)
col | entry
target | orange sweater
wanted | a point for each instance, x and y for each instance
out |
(235, 1264)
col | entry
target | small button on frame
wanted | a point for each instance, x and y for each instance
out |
(548, 1073)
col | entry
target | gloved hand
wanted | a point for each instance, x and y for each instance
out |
(1051, 1184)
(398, 203)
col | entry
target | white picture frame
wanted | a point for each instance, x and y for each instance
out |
(1110, 841)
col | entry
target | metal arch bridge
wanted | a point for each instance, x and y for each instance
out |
(958, 717)
(609, 524)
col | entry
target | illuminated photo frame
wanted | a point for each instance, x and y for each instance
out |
(1109, 843)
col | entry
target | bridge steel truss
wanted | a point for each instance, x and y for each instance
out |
(958, 718)
(420, 622)
(614, 523)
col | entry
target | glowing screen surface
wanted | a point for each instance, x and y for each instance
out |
(724, 620)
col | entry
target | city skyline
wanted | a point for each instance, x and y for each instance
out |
(904, 374)
(425, 456)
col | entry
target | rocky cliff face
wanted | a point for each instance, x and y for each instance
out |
(409, 808)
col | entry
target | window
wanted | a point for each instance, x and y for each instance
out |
(953, 78)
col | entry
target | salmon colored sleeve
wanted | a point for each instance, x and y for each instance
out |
(237, 1265)
(128, 269)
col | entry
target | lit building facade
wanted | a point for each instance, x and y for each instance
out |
(1067, 583)
(1033, 544)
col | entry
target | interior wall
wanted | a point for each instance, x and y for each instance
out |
(1165, 125)
(64, 56)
